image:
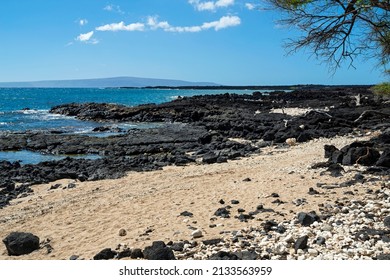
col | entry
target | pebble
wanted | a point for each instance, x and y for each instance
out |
(342, 233)
(197, 233)
(122, 232)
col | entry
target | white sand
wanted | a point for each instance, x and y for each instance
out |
(87, 219)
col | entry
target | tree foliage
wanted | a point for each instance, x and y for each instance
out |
(339, 30)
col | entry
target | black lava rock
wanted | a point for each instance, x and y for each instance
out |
(224, 256)
(21, 243)
(312, 191)
(270, 225)
(386, 221)
(212, 241)
(320, 240)
(247, 255)
(301, 243)
(222, 212)
(186, 214)
(383, 257)
(106, 254)
(124, 254)
(306, 219)
(137, 254)
(158, 251)
(178, 246)
(384, 159)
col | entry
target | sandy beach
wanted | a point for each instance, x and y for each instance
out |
(87, 218)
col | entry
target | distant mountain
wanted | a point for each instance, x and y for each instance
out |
(106, 82)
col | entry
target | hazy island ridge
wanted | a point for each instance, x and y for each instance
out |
(151, 83)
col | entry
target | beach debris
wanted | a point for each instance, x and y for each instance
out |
(21, 243)
(247, 180)
(158, 251)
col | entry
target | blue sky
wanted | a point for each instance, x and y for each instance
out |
(222, 41)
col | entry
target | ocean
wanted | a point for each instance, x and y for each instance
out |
(27, 109)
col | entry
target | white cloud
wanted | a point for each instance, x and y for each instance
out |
(83, 22)
(210, 5)
(155, 24)
(113, 8)
(85, 37)
(223, 22)
(250, 6)
(120, 26)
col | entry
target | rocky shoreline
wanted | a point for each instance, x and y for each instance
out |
(217, 129)
(200, 130)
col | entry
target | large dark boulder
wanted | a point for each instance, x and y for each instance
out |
(384, 159)
(106, 254)
(361, 155)
(21, 243)
(158, 251)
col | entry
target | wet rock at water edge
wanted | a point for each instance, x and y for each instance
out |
(21, 243)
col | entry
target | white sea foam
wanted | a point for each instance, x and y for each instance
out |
(31, 112)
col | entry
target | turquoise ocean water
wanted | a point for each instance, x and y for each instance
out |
(23, 109)
(27, 109)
